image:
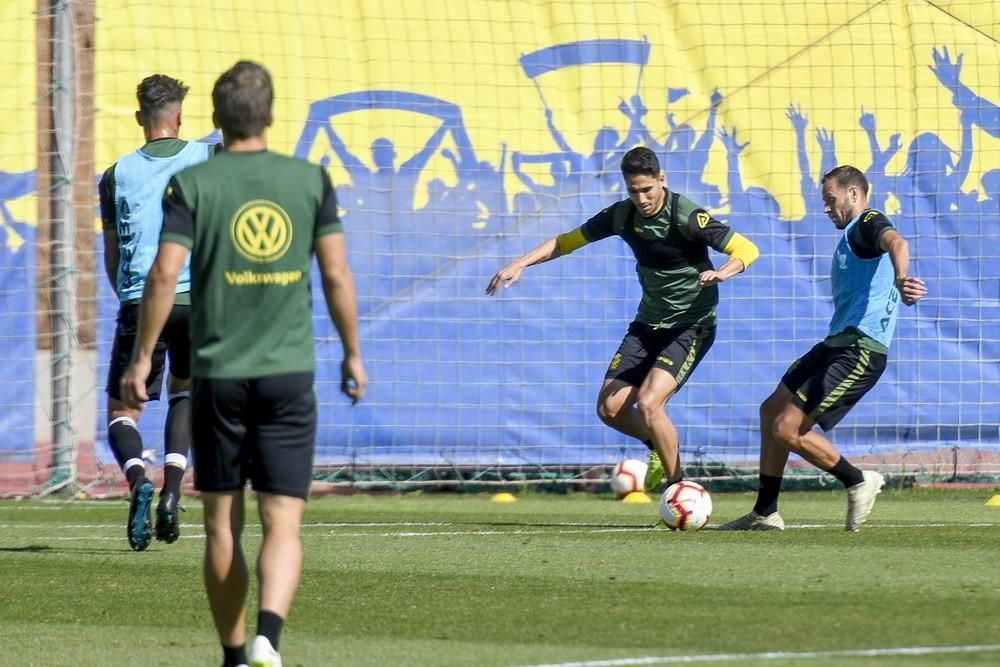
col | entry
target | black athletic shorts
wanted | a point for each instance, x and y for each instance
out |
(261, 429)
(175, 341)
(826, 382)
(678, 351)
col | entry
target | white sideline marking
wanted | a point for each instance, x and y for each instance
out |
(569, 528)
(779, 655)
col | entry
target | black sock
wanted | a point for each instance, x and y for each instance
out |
(846, 473)
(649, 444)
(134, 475)
(176, 439)
(234, 655)
(126, 444)
(172, 477)
(269, 625)
(767, 495)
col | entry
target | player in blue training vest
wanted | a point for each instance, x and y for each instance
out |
(131, 194)
(869, 279)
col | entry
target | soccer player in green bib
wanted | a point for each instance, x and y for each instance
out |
(676, 320)
(252, 221)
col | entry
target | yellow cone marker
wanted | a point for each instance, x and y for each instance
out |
(636, 497)
(994, 501)
(503, 497)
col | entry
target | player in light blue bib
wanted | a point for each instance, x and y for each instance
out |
(869, 279)
(131, 194)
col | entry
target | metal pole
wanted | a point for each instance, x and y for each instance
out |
(63, 279)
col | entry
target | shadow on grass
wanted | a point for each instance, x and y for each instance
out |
(42, 548)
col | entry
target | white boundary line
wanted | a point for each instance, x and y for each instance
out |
(779, 655)
(510, 529)
(253, 530)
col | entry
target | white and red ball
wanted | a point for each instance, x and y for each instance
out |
(685, 506)
(627, 477)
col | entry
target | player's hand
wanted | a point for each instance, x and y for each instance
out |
(353, 378)
(911, 290)
(133, 383)
(508, 275)
(709, 278)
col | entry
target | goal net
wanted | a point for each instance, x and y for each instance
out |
(461, 135)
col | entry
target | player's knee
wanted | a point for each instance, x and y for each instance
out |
(650, 407)
(608, 412)
(786, 434)
(118, 410)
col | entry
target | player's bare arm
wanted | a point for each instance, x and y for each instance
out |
(341, 302)
(726, 271)
(511, 273)
(157, 301)
(911, 289)
(742, 253)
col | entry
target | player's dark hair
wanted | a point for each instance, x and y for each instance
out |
(845, 175)
(157, 94)
(640, 160)
(242, 97)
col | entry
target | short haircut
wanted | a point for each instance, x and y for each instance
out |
(157, 94)
(242, 98)
(845, 175)
(640, 160)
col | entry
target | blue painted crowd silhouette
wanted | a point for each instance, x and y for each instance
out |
(421, 245)
(403, 240)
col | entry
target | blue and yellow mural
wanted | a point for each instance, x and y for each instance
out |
(459, 138)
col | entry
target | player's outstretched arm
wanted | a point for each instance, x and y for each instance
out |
(511, 273)
(341, 302)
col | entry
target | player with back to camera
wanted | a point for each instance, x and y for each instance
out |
(676, 320)
(131, 194)
(869, 277)
(252, 221)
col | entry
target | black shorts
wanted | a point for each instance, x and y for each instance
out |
(678, 351)
(175, 341)
(826, 382)
(262, 429)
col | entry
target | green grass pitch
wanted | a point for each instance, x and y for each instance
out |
(454, 579)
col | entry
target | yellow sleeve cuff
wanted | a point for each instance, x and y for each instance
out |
(570, 241)
(743, 249)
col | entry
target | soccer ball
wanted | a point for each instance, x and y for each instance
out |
(685, 506)
(627, 476)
